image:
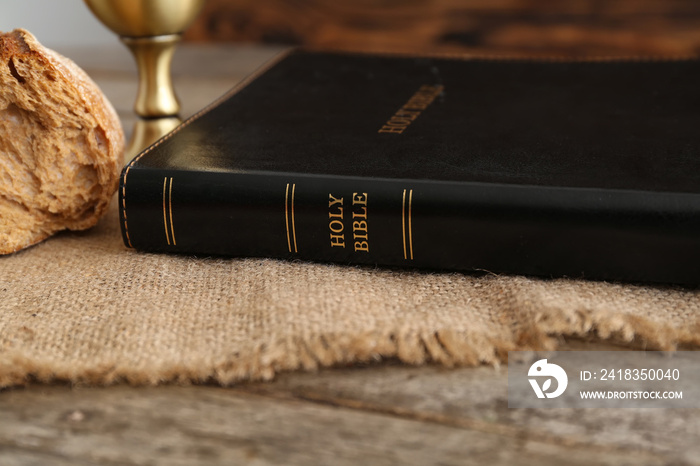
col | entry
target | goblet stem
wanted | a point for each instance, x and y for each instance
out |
(156, 96)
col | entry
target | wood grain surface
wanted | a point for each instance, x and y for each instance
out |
(379, 414)
(333, 417)
(502, 27)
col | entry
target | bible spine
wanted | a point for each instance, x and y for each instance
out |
(546, 231)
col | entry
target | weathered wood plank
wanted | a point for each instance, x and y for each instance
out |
(476, 398)
(20, 456)
(194, 425)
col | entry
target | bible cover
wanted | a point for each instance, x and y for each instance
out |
(549, 168)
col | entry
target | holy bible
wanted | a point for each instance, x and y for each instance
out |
(584, 169)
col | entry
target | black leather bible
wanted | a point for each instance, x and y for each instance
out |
(585, 169)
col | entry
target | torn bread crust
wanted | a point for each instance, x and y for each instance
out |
(61, 144)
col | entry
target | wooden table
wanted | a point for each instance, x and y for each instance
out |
(386, 413)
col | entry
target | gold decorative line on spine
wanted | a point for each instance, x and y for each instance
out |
(294, 230)
(165, 211)
(410, 227)
(403, 223)
(170, 202)
(286, 216)
(126, 229)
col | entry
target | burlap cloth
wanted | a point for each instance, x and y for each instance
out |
(81, 307)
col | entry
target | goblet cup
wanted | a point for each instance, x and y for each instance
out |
(150, 29)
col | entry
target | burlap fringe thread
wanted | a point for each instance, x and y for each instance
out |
(445, 347)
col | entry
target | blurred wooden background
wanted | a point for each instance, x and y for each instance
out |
(503, 27)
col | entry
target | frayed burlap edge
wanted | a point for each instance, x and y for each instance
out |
(544, 332)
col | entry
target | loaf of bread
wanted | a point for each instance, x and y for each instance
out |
(61, 144)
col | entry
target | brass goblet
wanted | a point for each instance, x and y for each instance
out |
(151, 29)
